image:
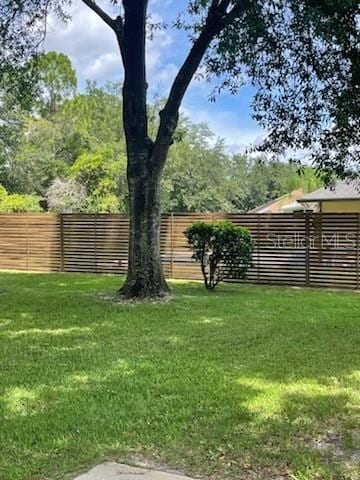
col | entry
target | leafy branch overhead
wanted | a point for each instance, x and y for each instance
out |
(301, 56)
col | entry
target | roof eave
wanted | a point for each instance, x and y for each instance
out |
(313, 200)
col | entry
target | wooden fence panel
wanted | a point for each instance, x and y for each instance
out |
(281, 255)
(290, 249)
(95, 243)
(183, 266)
(334, 250)
(30, 242)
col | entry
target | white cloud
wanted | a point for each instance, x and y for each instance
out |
(104, 66)
(156, 53)
(94, 52)
(89, 43)
(93, 48)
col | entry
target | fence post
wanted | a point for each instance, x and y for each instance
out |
(307, 247)
(172, 244)
(62, 262)
(27, 243)
(358, 253)
(95, 242)
(258, 248)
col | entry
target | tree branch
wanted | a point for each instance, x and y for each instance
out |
(111, 22)
(133, 50)
(217, 19)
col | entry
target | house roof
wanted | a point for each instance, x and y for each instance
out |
(342, 190)
(265, 206)
(276, 205)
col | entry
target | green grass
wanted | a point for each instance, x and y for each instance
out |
(248, 382)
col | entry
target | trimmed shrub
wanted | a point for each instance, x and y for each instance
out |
(223, 250)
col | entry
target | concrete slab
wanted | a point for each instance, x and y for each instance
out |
(154, 475)
(119, 471)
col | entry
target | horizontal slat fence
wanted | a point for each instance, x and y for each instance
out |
(30, 242)
(291, 249)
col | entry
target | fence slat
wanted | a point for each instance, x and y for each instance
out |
(290, 249)
(307, 248)
(358, 253)
(30, 242)
(61, 242)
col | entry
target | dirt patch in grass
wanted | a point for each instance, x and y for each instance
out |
(119, 300)
(332, 449)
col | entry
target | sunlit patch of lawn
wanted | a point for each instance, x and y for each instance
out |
(247, 382)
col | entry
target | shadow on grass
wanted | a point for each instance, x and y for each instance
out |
(216, 387)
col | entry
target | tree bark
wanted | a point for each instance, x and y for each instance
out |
(145, 277)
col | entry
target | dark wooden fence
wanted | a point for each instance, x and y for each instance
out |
(294, 249)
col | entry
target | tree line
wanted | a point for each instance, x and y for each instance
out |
(65, 151)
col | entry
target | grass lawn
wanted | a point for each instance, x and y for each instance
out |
(248, 382)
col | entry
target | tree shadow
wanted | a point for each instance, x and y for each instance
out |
(228, 386)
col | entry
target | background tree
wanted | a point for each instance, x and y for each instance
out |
(103, 174)
(40, 157)
(255, 181)
(11, 123)
(84, 140)
(300, 55)
(34, 149)
(66, 196)
(56, 81)
(15, 203)
(94, 117)
(18, 85)
(196, 176)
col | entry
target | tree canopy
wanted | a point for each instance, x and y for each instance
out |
(57, 81)
(302, 57)
(75, 159)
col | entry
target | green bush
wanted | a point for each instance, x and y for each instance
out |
(223, 250)
(3, 193)
(103, 204)
(19, 204)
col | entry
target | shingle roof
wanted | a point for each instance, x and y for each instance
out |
(342, 190)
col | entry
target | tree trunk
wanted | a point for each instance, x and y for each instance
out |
(145, 277)
(146, 158)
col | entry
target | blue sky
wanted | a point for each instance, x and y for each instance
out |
(92, 48)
